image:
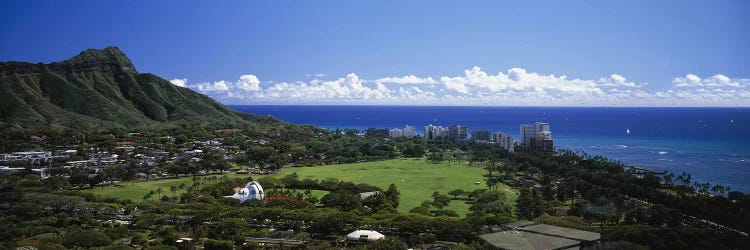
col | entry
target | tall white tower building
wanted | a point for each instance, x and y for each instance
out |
(410, 131)
(529, 131)
(505, 141)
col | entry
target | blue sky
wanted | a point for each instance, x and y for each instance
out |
(572, 53)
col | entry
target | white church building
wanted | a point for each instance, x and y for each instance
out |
(252, 190)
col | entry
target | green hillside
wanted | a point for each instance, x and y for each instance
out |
(101, 88)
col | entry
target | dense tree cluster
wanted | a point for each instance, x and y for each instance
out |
(605, 195)
(566, 188)
(68, 219)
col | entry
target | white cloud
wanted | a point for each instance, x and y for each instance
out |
(516, 80)
(457, 84)
(382, 88)
(719, 80)
(687, 81)
(179, 82)
(616, 80)
(248, 83)
(349, 87)
(409, 79)
(515, 87)
(219, 86)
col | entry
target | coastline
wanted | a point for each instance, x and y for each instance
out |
(708, 148)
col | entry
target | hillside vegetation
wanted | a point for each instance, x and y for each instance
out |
(101, 88)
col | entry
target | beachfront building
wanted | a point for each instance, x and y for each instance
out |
(505, 141)
(537, 136)
(457, 132)
(529, 131)
(396, 133)
(429, 132)
(481, 135)
(543, 143)
(410, 131)
(432, 132)
(444, 132)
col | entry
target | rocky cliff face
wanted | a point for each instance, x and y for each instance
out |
(100, 88)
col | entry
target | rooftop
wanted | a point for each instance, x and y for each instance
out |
(530, 235)
(513, 239)
(562, 232)
(520, 223)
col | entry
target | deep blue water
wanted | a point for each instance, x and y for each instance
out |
(712, 144)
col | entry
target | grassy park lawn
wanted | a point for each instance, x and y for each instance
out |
(136, 190)
(416, 179)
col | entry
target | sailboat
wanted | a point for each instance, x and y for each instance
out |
(627, 131)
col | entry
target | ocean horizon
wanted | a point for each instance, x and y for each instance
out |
(710, 143)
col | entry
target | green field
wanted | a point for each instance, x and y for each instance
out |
(136, 190)
(416, 179)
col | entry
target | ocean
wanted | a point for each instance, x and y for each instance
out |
(711, 144)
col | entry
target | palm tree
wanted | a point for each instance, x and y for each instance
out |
(718, 188)
(668, 178)
(459, 156)
(491, 182)
(158, 191)
(681, 178)
(173, 189)
(704, 187)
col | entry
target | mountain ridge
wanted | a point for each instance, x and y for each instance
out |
(102, 88)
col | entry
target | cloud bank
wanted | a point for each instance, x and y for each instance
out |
(514, 87)
(179, 82)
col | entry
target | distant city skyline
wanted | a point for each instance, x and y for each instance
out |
(555, 53)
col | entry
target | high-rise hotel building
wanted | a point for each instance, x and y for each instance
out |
(481, 135)
(537, 136)
(410, 131)
(457, 132)
(505, 141)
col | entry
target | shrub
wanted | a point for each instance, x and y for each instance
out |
(85, 238)
(210, 244)
(160, 247)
